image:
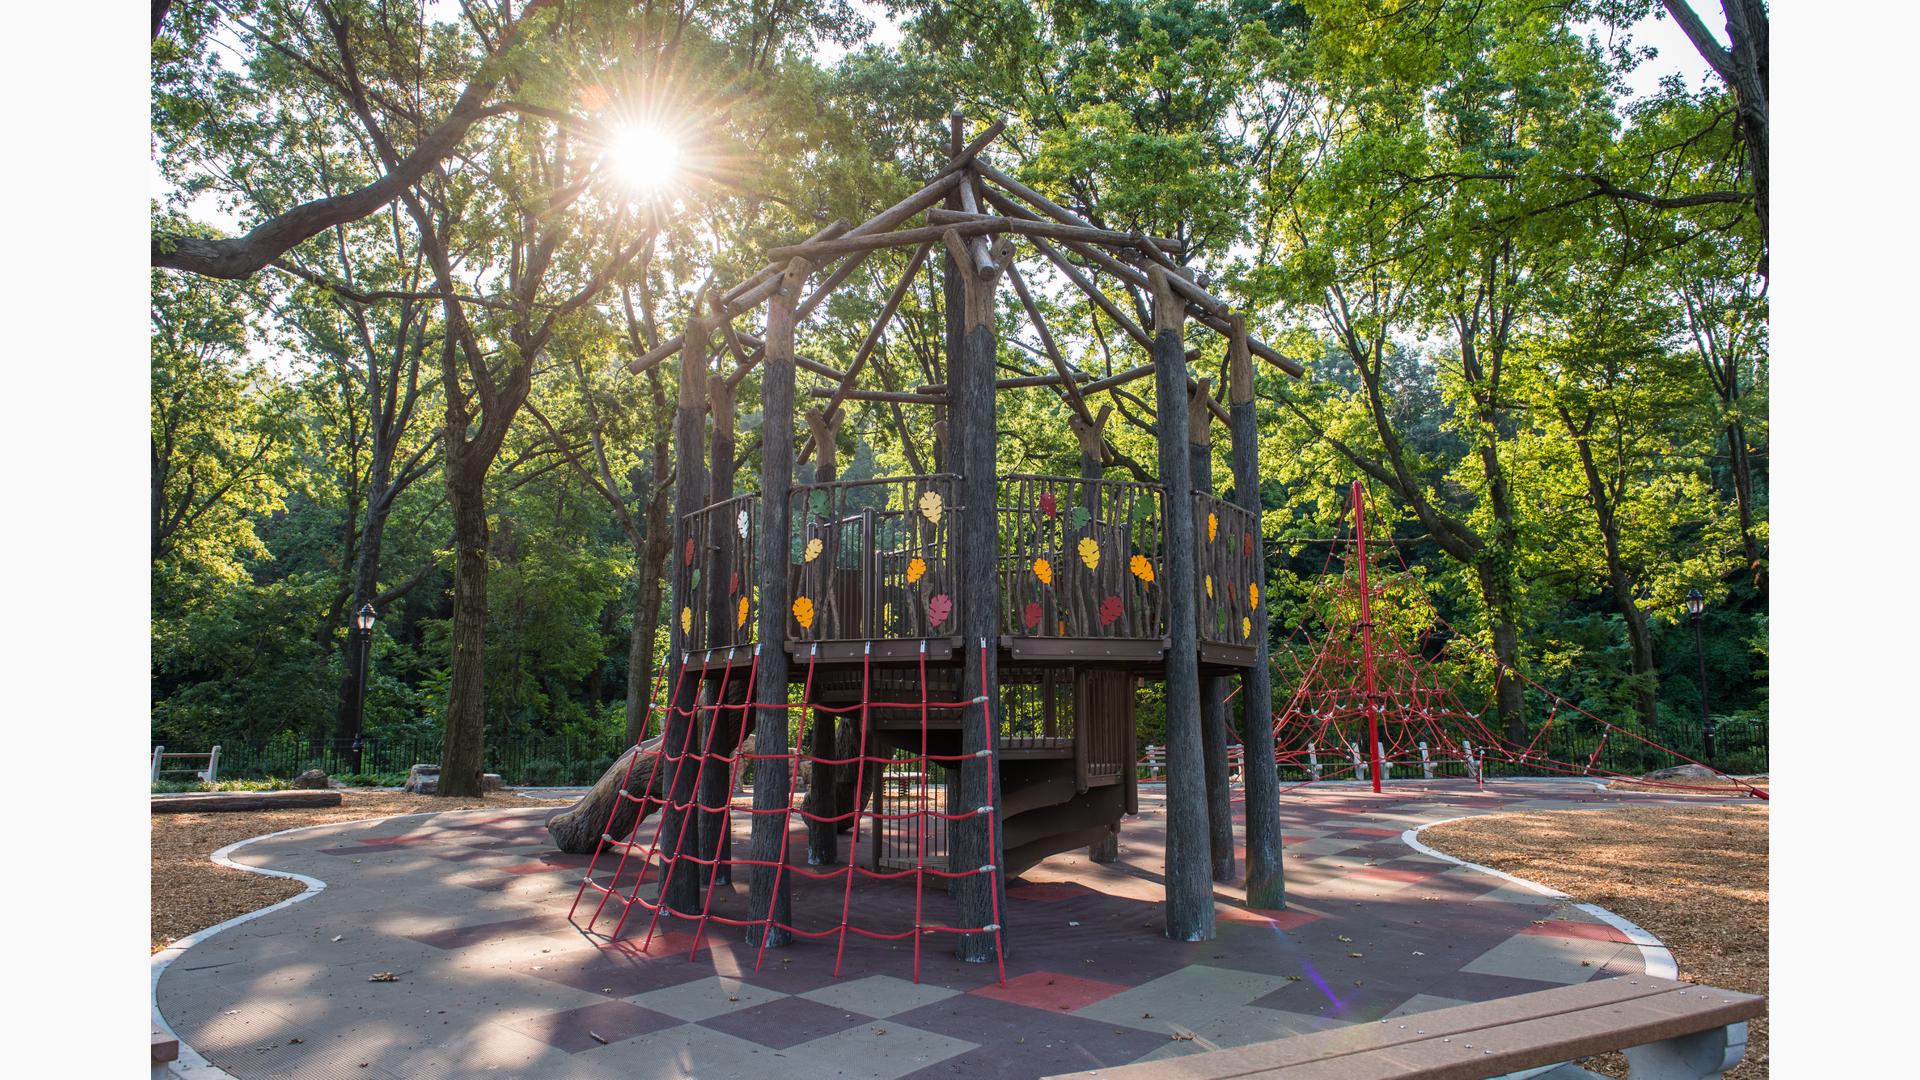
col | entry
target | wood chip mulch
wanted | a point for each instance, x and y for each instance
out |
(1695, 876)
(189, 893)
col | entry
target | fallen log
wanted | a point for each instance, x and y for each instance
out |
(576, 830)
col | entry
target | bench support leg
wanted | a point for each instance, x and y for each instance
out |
(1700, 1056)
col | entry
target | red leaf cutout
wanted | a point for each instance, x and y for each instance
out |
(938, 608)
(1032, 615)
(1110, 609)
(1048, 504)
(689, 551)
(733, 583)
(1246, 544)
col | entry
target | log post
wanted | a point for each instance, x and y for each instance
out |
(1189, 884)
(1266, 876)
(1091, 438)
(1213, 688)
(770, 895)
(716, 840)
(690, 493)
(823, 786)
(970, 378)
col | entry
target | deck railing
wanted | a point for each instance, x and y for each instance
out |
(1081, 558)
(872, 560)
(720, 563)
(1226, 546)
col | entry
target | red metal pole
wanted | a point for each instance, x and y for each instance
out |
(1366, 632)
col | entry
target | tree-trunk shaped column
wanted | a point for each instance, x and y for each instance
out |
(1213, 688)
(1189, 879)
(1092, 440)
(716, 781)
(823, 786)
(1266, 885)
(970, 401)
(681, 890)
(770, 897)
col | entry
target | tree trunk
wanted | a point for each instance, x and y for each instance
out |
(1213, 688)
(976, 842)
(652, 552)
(464, 743)
(366, 585)
(1189, 879)
(577, 829)
(1266, 881)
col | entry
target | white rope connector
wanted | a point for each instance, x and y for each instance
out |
(980, 700)
(987, 869)
(992, 927)
(983, 753)
(987, 809)
(923, 646)
(869, 648)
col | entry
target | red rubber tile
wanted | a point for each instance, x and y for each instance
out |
(1051, 991)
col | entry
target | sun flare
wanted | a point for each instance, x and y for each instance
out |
(645, 158)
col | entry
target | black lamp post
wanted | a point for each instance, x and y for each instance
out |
(1695, 605)
(363, 621)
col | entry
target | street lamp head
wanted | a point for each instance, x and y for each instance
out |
(1696, 603)
(363, 619)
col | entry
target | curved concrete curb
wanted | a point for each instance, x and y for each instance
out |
(190, 1062)
(1657, 957)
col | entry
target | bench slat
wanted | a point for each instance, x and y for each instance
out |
(1543, 1041)
(1548, 1010)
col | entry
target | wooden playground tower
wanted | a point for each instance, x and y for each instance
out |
(1048, 598)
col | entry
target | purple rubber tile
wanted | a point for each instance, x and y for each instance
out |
(1018, 1042)
(786, 1022)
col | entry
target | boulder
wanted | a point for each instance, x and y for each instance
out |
(311, 780)
(423, 780)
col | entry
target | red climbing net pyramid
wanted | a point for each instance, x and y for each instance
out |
(1371, 697)
(662, 840)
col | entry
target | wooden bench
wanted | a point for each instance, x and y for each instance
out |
(239, 801)
(1669, 1030)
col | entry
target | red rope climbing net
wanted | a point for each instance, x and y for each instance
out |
(644, 869)
(1370, 698)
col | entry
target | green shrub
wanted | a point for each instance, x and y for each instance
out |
(374, 779)
(177, 787)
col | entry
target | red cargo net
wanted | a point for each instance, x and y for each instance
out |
(660, 856)
(1372, 693)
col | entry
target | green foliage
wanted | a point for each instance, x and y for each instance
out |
(1421, 201)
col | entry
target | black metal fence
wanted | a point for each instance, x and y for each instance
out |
(521, 761)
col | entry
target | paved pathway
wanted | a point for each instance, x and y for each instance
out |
(469, 911)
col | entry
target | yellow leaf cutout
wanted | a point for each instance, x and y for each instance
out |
(1209, 586)
(931, 507)
(1246, 627)
(814, 548)
(803, 612)
(686, 620)
(1213, 526)
(1043, 570)
(1063, 628)
(1090, 552)
(916, 570)
(1141, 568)
(1253, 594)
(742, 619)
